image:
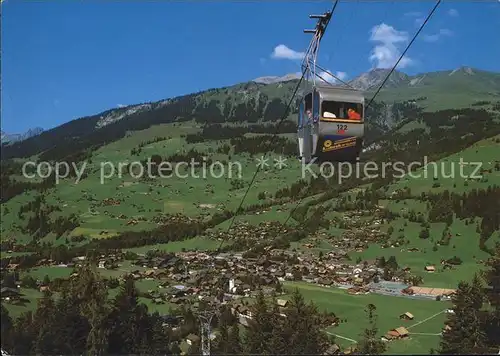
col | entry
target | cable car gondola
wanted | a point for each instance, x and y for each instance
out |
(331, 124)
(330, 118)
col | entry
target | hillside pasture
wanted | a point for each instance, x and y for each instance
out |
(464, 244)
(457, 172)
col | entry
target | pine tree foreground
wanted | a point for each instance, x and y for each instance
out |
(474, 325)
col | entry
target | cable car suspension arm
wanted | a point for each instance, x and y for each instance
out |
(309, 62)
(333, 76)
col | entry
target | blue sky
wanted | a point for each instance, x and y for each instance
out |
(67, 59)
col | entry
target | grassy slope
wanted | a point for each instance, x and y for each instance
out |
(442, 90)
(162, 195)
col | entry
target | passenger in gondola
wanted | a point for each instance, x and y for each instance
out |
(353, 115)
(309, 114)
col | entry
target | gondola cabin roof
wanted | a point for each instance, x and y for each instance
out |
(330, 93)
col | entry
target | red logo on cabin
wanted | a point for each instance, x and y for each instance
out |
(341, 129)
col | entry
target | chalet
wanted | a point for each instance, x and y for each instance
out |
(244, 311)
(430, 269)
(325, 282)
(332, 350)
(12, 266)
(243, 321)
(10, 293)
(350, 350)
(282, 303)
(171, 320)
(358, 290)
(358, 281)
(406, 316)
(192, 339)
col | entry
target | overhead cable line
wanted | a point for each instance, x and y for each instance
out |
(283, 118)
(394, 67)
(384, 81)
(406, 50)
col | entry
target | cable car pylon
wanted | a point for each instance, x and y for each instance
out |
(205, 318)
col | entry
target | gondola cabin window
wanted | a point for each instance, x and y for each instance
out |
(341, 110)
(308, 102)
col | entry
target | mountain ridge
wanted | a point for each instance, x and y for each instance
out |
(251, 101)
(375, 77)
(9, 138)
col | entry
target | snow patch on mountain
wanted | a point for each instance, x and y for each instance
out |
(275, 79)
(120, 114)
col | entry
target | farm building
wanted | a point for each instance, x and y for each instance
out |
(398, 333)
(430, 268)
(432, 292)
(406, 316)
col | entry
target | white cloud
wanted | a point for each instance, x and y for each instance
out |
(341, 75)
(444, 32)
(283, 52)
(419, 21)
(386, 53)
(387, 34)
(120, 105)
(453, 12)
(330, 78)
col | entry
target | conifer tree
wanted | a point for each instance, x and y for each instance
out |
(280, 339)
(159, 338)
(304, 327)
(70, 327)
(24, 335)
(92, 299)
(492, 276)
(371, 344)
(175, 348)
(130, 325)
(235, 346)
(6, 326)
(222, 345)
(467, 334)
(260, 327)
(194, 349)
(44, 320)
